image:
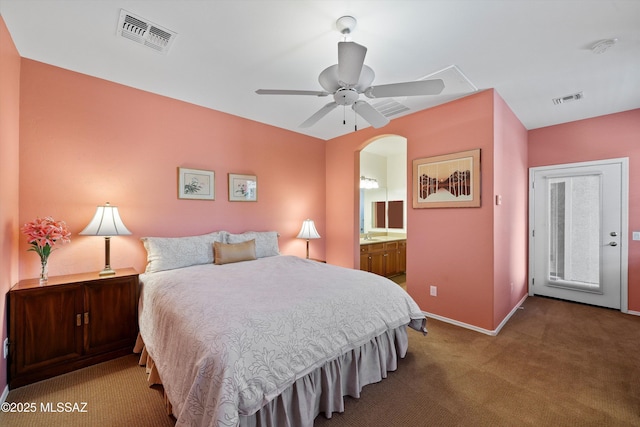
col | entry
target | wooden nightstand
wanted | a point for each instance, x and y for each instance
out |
(71, 322)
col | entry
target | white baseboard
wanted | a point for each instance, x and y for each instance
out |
(635, 313)
(5, 393)
(473, 327)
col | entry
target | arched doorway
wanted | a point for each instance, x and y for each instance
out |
(383, 203)
(383, 174)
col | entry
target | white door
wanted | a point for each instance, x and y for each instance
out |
(578, 232)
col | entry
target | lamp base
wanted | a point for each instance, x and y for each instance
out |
(107, 272)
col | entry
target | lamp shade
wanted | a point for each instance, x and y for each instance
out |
(106, 222)
(308, 230)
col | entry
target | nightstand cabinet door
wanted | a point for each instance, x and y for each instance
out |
(47, 322)
(111, 322)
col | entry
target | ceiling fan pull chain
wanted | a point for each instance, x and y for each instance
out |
(344, 115)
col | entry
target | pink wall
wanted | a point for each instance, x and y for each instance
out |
(86, 141)
(452, 249)
(605, 137)
(342, 200)
(9, 138)
(510, 227)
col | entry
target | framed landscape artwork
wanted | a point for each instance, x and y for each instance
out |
(447, 181)
(196, 184)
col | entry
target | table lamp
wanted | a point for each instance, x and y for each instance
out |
(106, 222)
(308, 231)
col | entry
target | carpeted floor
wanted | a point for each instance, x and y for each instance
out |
(115, 392)
(554, 363)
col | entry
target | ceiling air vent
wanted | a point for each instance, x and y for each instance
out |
(145, 32)
(569, 98)
(390, 107)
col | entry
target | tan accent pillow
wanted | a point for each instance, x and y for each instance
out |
(226, 253)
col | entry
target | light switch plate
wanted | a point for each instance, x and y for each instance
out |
(636, 235)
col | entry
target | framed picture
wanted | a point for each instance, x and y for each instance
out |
(243, 188)
(447, 181)
(196, 184)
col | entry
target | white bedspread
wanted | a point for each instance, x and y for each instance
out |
(227, 339)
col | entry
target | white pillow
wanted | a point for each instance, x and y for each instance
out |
(266, 242)
(167, 253)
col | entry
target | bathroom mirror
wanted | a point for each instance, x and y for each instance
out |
(379, 214)
(387, 214)
(395, 214)
(369, 198)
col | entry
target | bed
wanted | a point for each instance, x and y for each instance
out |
(244, 336)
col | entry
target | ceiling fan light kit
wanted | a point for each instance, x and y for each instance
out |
(349, 78)
(345, 96)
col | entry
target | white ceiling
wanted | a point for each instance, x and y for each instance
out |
(530, 51)
(387, 146)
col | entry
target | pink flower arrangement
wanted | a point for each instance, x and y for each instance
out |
(43, 233)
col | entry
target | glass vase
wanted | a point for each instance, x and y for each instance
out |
(44, 272)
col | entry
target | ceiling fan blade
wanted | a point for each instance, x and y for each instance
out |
(422, 87)
(290, 92)
(350, 61)
(318, 115)
(370, 114)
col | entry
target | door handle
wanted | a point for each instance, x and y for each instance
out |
(613, 234)
(613, 244)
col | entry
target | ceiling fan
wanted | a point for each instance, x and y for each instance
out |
(350, 78)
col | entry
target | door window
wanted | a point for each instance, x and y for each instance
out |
(574, 232)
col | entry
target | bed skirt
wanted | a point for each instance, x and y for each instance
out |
(322, 390)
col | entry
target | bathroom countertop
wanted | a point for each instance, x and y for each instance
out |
(381, 239)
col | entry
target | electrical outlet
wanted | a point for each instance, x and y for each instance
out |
(636, 235)
(433, 291)
(5, 348)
